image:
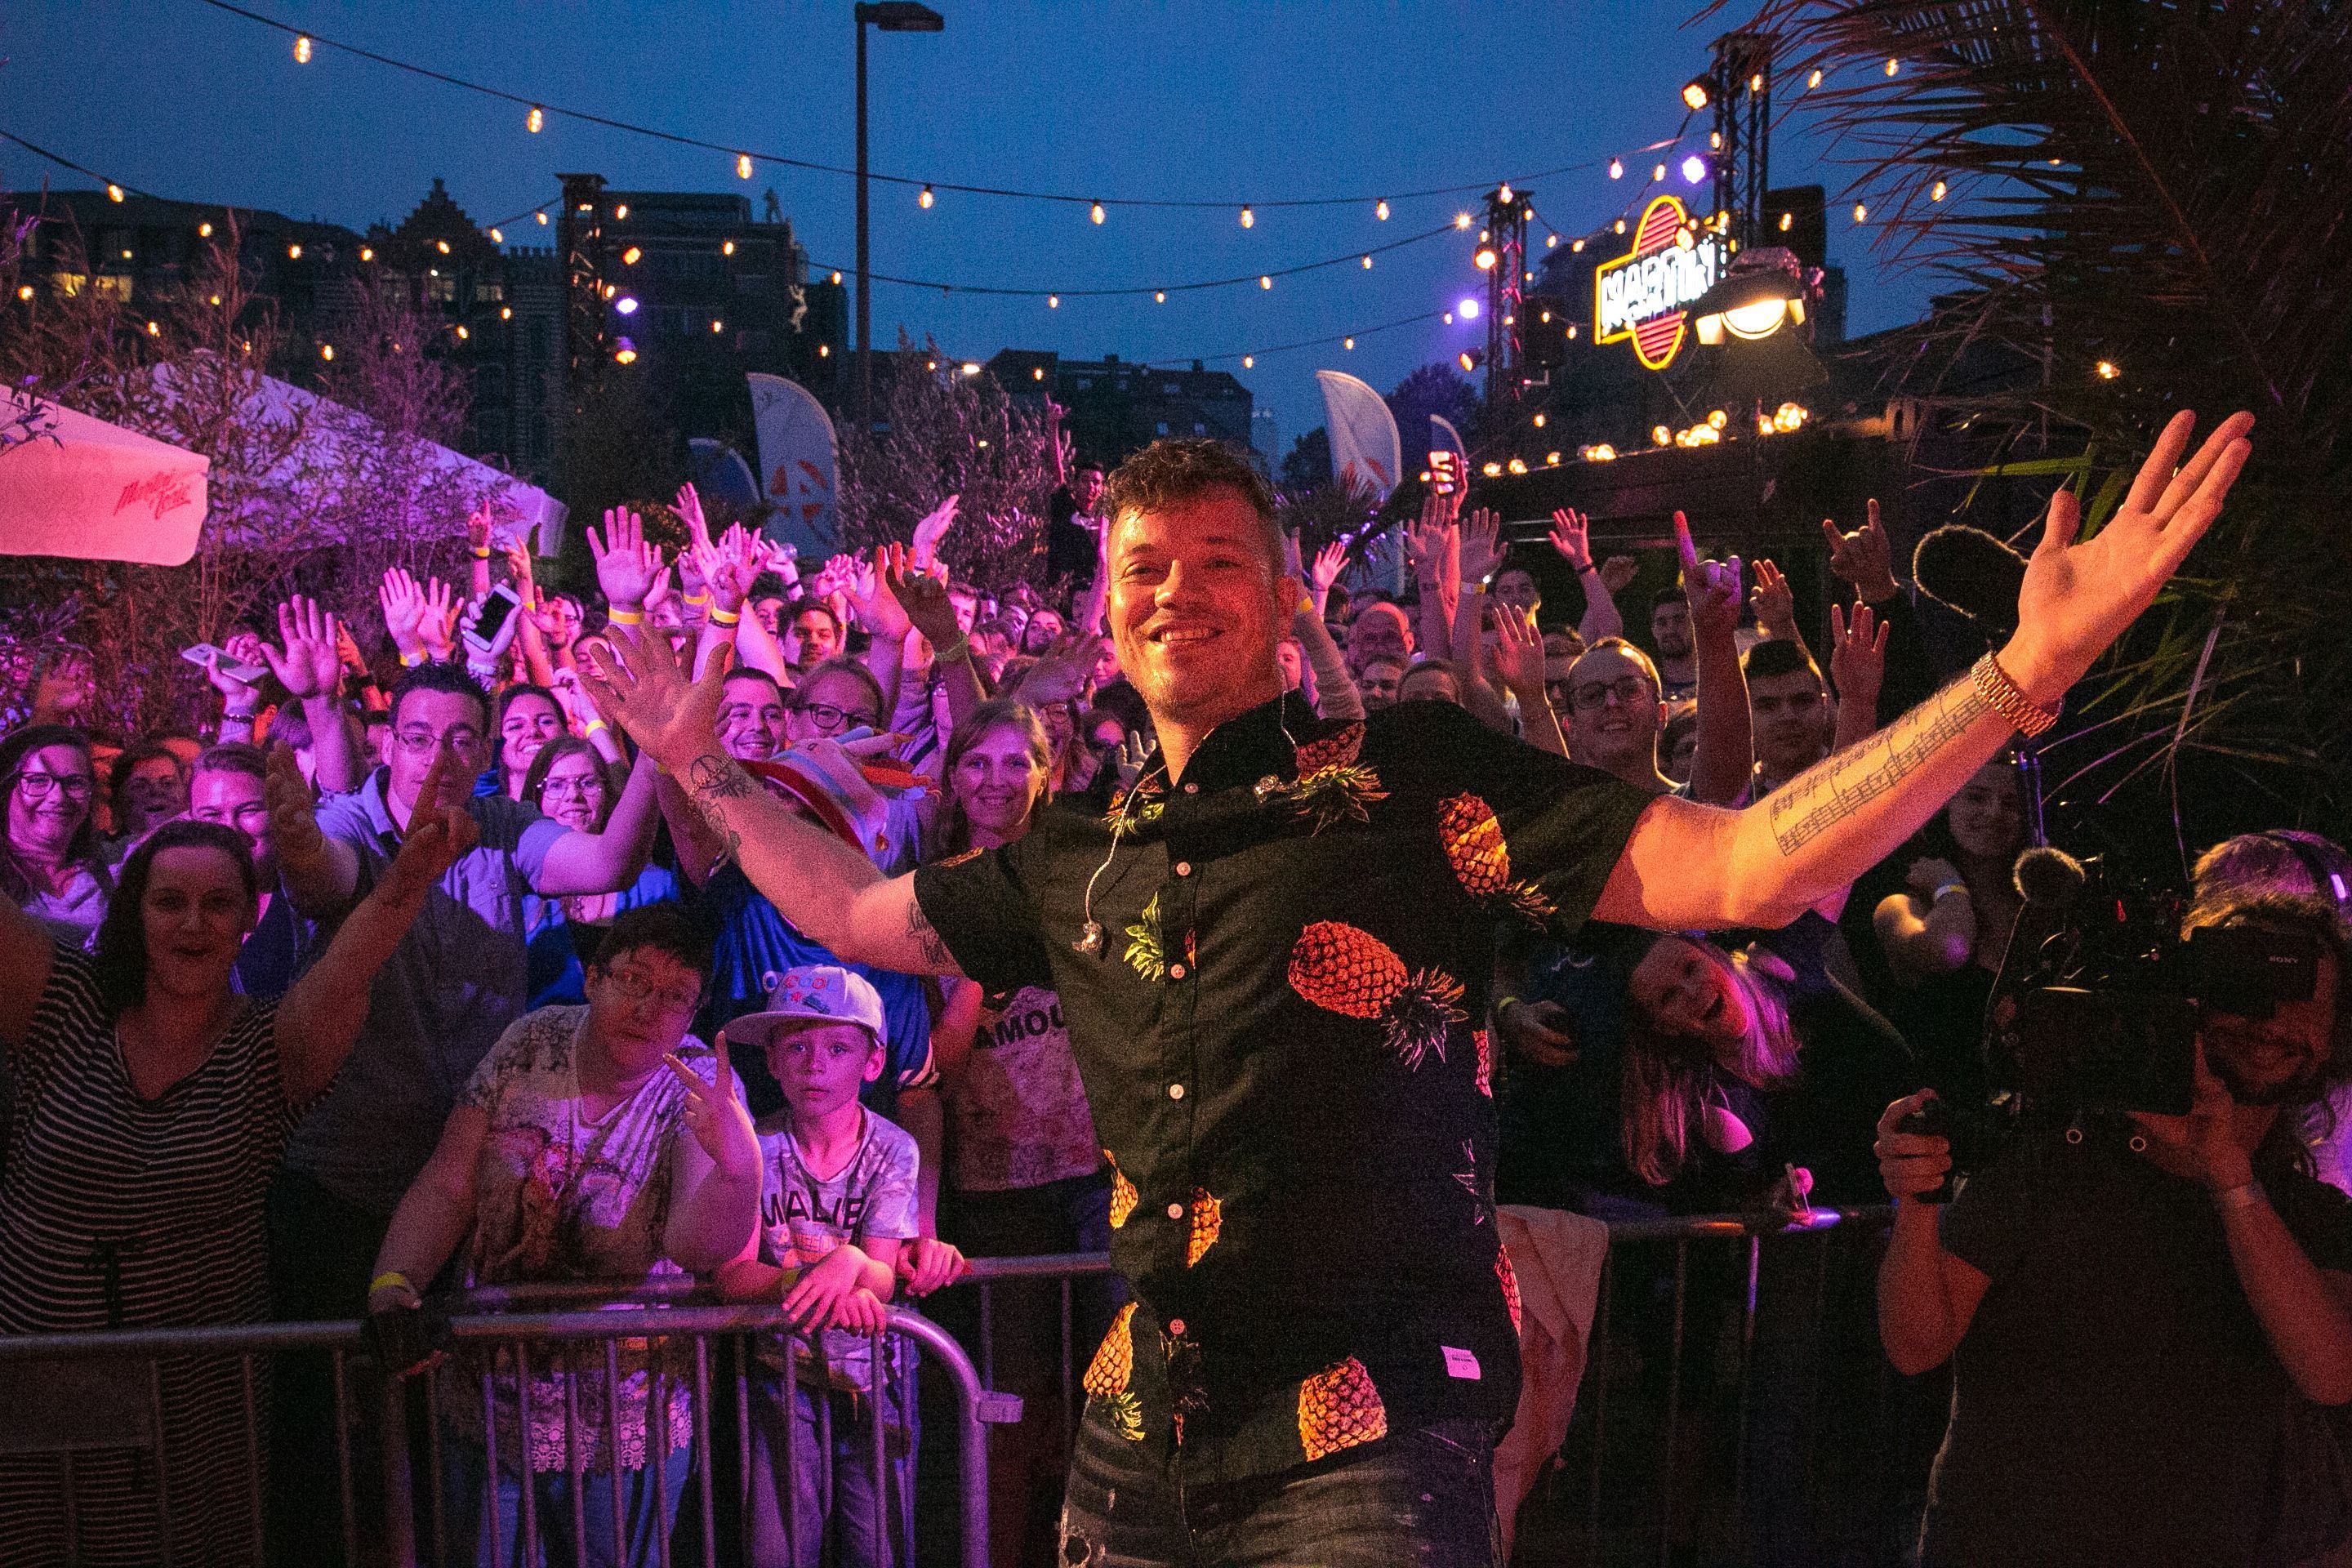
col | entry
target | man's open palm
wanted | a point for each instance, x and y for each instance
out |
(2079, 596)
(673, 718)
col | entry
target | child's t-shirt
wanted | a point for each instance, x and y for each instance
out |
(802, 1217)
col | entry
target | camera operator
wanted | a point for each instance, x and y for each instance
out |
(2141, 1317)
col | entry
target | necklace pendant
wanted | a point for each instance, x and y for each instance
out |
(1090, 936)
(1267, 788)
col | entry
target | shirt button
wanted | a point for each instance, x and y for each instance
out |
(1183, 868)
(1175, 1092)
(1175, 972)
(1191, 787)
(1175, 1211)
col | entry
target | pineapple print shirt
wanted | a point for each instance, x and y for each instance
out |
(1278, 1038)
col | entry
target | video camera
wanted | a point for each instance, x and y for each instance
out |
(2099, 1001)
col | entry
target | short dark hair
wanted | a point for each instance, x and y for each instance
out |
(1672, 594)
(799, 608)
(841, 664)
(117, 782)
(120, 955)
(1778, 656)
(434, 676)
(521, 690)
(232, 757)
(753, 672)
(1170, 471)
(667, 929)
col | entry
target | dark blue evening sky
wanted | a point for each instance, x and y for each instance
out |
(1225, 102)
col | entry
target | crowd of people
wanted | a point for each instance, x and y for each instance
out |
(476, 962)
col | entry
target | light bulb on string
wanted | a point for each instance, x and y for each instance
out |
(1621, 226)
(836, 277)
(1265, 280)
(1249, 362)
(726, 247)
(1381, 211)
(1096, 212)
(1813, 81)
(1860, 213)
(1249, 218)
(1937, 194)
(1616, 168)
(1892, 66)
(1160, 296)
(1551, 242)
(923, 199)
(204, 231)
(1053, 301)
(1657, 173)
(1461, 220)
(1503, 194)
(1368, 263)
(536, 120)
(1347, 342)
(442, 246)
(742, 166)
(302, 48)
(541, 216)
(113, 193)
(1576, 247)
(497, 236)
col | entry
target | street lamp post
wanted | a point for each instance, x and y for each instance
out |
(891, 16)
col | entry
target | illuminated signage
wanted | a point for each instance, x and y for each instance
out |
(1646, 293)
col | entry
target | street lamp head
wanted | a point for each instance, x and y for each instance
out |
(900, 16)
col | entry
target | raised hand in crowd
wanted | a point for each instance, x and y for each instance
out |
(1775, 604)
(438, 627)
(67, 690)
(1711, 586)
(404, 614)
(309, 663)
(1329, 563)
(689, 511)
(1857, 668)
(872, 602)
(1617, 572)
(626, 566)
(240, 699)
(1572, 535)
(1863, 558)
(932, 529)
(1480, 550)
(477, 530)
(1519, 662)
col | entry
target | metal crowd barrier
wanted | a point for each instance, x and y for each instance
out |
(1671, 1425)
(674, 1342)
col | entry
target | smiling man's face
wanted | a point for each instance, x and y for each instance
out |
(1197, 605)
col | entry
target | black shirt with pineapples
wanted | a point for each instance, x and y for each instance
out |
(1279, 1031)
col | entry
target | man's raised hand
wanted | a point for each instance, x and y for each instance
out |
(933, 528)
(294, 835)
(2080, 595)
(1863, 558)
(1857, 655)
(626, 565)
(675, 719)
(1572, 535)
(1711, 586)
(311, 662)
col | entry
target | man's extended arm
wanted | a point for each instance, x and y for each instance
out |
(1688, 865)
(833, 893)
(1725, 758)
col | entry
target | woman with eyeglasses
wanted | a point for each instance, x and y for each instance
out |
(568, 781)
(52, 865)
(153, 1106)
(1025, 1173)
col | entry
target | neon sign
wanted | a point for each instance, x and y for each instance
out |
(1644, 294)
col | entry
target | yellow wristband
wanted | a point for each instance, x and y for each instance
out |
(626, 618)
(391, 1277)
(698, 599)
(483, 554)
(725, 617)
(591, 727)
(411, 660)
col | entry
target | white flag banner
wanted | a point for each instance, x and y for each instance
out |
(798, 464)
(1364, 450)
(82, 487)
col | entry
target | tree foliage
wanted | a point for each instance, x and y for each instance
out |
(303, 494)
(944, 433)
(2137, 207)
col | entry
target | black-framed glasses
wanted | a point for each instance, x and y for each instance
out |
(827, 717)
(417, 742)
(1627, 689)
(38, 786)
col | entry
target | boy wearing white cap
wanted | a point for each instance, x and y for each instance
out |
(836, 1204)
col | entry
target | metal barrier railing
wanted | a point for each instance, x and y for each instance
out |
(1652, 1469)
(671, 1343)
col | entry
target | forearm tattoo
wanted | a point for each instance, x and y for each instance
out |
(1833, 789)
(921, 932)
(712, 783)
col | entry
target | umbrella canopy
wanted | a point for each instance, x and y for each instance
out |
(74, 486)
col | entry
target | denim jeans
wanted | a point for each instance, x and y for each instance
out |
(646, 1516)
(795, 1507)
(1424, 1497)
